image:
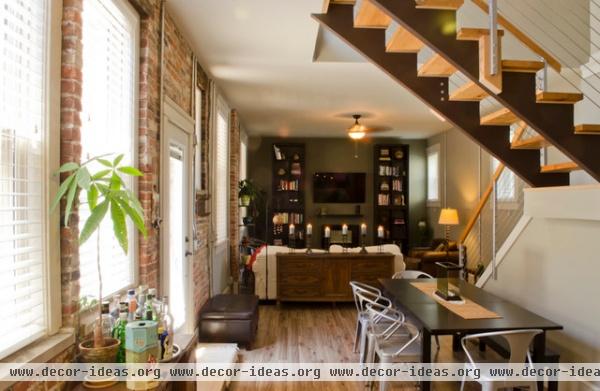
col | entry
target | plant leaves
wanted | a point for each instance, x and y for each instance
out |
(92, 223)
(103, 188)
(115, 182)
(105, 162)
(119, 225)
(68, 167)
(130, 171)
(100, 174)
(92, 196)
(137, 218)
(118, 160)
(83, 178)
(70, 199)
(61, 192)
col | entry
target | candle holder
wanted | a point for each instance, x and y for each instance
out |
(380, 244)
(344, 242)
(308, 243)
(327, 242)
(292, 243)
(363, 239)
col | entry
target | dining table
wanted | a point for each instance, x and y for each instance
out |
(434, 319)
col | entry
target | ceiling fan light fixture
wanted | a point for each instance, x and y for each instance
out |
(356, 135)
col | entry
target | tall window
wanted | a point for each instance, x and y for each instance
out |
(433, 175)
(506, 185)
(109, 107)
(222, 175)
(23, 181)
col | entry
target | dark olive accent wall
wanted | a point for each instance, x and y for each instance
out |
(338, 155)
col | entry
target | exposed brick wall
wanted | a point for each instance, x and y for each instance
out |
(234, 178)
(70, 151)
(178, 67)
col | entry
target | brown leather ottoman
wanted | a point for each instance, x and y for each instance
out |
(229, 318)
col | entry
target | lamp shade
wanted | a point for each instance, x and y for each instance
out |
(448, 216)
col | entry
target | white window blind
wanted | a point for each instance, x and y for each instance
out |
(222, 175)
(433, 173)
(110, 40)
(23, 29)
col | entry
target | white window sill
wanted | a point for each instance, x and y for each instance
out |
(43, 350)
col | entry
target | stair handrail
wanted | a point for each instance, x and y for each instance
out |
(521, 36)
(482, 202)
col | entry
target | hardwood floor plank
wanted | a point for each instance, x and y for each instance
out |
(295, 332)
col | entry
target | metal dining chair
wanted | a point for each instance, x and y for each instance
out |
(519, 342)
(363, 295)
(398, 342)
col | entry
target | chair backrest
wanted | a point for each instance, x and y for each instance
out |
(412, 275)
(362, 287)
(518, 342)
(394, 320)
(364, 298)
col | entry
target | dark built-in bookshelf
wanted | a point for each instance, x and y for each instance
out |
(287, 194)
(391, 193)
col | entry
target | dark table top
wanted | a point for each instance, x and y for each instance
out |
(437, 319)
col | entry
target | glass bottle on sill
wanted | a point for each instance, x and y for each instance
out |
(149, 313)
(107, 320)
(119, 333)
(132, 303)
(165, 331)
(114, 307)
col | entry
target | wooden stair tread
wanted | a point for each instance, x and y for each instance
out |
(560, 167)
(522, 66)
(588, 129)
(536, 142)
(440, 4)
(367, 15)
(559, 97)
(400, 40)
(501, 117)
(469, 92)
(436, 66)
(473, 34)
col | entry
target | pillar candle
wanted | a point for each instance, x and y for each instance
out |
(292, 229)
(344, 229)
(380, 232)
(327, 232)
(363, 229)
(309, 229)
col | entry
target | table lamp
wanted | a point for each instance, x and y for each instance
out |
(448, 217)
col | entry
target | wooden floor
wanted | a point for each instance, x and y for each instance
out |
(320, 333)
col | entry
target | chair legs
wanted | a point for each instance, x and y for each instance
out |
(437, 342)
(357, 336)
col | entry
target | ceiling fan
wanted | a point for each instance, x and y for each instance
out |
(358, 131)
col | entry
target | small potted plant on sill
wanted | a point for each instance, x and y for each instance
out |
(248, 192)
(106, 195)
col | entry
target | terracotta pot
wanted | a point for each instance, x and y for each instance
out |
(105, 354)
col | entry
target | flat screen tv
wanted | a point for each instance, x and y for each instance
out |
(339, 188)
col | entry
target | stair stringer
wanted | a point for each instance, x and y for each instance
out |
(554, 122)
(433, 91)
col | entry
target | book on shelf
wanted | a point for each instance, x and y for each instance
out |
(397, 185)
(285, 185)
(383, 200)
(284, 218)
(385, 170)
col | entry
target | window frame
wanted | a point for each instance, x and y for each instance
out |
(133, 16)
(434, 149)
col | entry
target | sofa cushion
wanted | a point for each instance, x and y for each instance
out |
(230, 307)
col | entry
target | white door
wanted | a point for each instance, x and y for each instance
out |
(220, 206)
(176, 182)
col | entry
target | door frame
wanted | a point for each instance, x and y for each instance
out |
(175, 115)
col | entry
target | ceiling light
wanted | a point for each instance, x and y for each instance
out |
(356, 135)
(437, 115)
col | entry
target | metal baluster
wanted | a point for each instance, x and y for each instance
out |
(494, 205)
(493, 13)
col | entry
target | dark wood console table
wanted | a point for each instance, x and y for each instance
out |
(326, 277)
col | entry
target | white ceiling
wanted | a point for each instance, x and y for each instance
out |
(260, 54)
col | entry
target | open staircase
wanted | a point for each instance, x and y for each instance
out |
(391, 33)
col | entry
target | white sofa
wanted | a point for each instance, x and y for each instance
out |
(265, 267)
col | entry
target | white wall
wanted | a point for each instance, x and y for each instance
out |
(553, 269)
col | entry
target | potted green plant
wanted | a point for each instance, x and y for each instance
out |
(248, 192)
(104, 191)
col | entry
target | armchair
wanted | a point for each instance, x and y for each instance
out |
(428, 256)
